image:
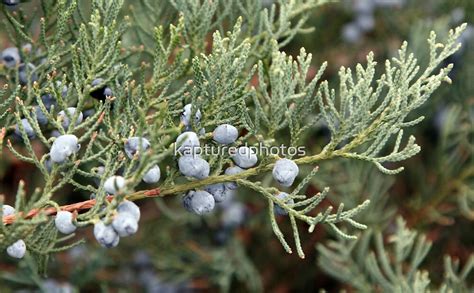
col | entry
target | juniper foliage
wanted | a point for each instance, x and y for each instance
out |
(238, 76)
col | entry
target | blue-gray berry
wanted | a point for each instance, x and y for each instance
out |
(125, 224)
(283, 196)
(63, 147)
(64, 222)
(10, 56)
(48, 101)
(193, 166)
(233, 215)
(225, 134)
(17, 249)
(27, 70)
(106, 235)
(199, 202)
(366, 22)
(186, 115)
(245, 157)
(114, 184)
(101, 93)
(130, 207)
(65, 119)
(152, 175)
(28, 129)
(285, 172)
(364, 6)
(232, 171)
(11, 3)
(351, 33)
(218, 191)
(187, 143)
(135, 145)
(40, 116)
(8, 210)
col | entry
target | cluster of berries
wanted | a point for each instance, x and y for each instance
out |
(18, 248)
(192, 165)
(11, 59)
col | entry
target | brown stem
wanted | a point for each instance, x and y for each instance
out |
(83, 205)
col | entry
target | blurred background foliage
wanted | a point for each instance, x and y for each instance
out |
(178, 252)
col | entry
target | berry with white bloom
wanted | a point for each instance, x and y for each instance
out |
(245, 157)
(65, 119)
(63, 222)
(24, 71)
(28, 128)
(366, 22)
(106, 235)
(187, 143)
(152, 175)
(48, 101)
(17, 249)
(40, 116)
(135, 145)
(63, 147)
(129, 207)
(186, 115)
(193, 166)
(351, 33)
(285, 197)
(8, 210)
(233, 215)
(225, 134)
(199, 202)
(101, 93)
(10, 57)
(125, 224)
(285, 172)
(232, 171)
(114, 184)
(218, 191)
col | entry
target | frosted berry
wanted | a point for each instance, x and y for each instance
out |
(187, 143)
(245, 157)
(233, 215)
(351, 33)
(101, 93)
(40, 116)
(25, 70)
(364, 6)
(8, 210)
(130, 207)
(106, 235)
(11, 3)
(65, 119)
(232, 171)
(63, 147)
(10, 56)
(218, 191)
(199, 202)
(366, 22)
(286, 199)
(63, 222)
(194, 166)
(152, 175)
(186, 115)
(136, 144)
(28, 129)
(114, 184)
(17, 249)
(125, 224)
(285, 172)
(48, 101)
(225, 134)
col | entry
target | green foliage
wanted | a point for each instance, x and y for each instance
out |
(370, 263)
(238, 76)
